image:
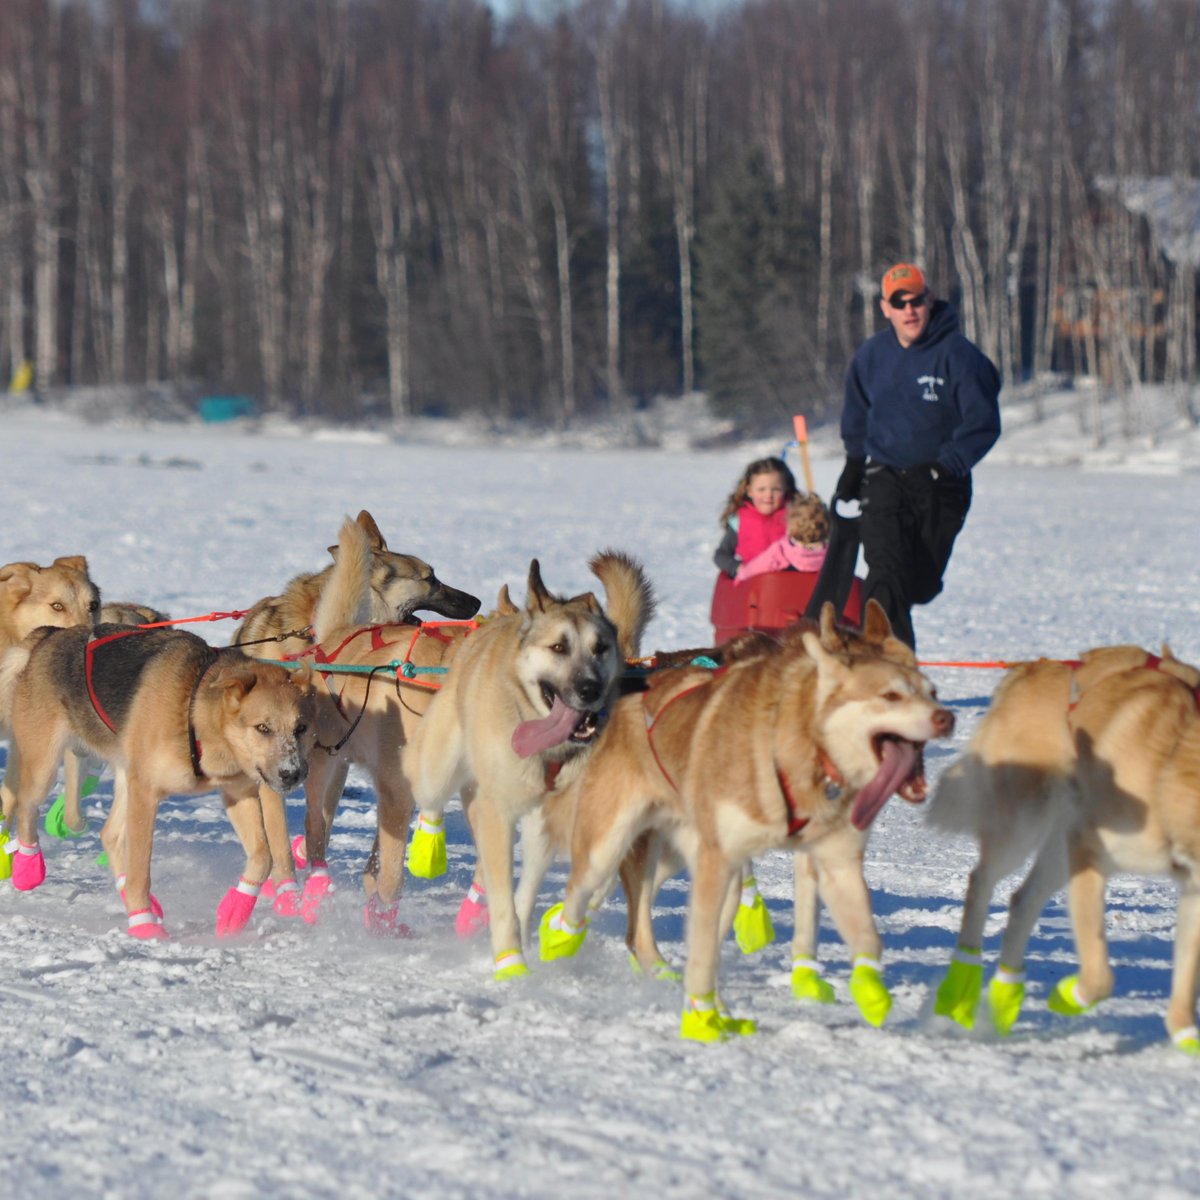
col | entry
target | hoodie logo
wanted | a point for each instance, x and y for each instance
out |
(930, 384)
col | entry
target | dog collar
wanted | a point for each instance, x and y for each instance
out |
(795, 822)
(834, 780)
(194, 747)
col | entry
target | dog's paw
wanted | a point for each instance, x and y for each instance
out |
(752, 922)
(285, 899)
(384, 921)
(557, 937)
(870, 994)
(808, 984)
(510, 965)
(233, 913)
(704, 1020)
(660, 970)
(146, 926)
(427, 849)
(317, 887)
(299, 853)
(28, 867)
(1067, 1000)
(155, 907)
(1187, 1040)
(473, 916)
(1006, 994)
(958, 994)
(55, 821)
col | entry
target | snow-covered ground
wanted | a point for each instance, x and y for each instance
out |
(315, 1062)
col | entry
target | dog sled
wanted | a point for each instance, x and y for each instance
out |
(771, 602)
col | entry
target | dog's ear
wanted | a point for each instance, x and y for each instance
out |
(72, 562)
(302, 676)
(235, 684)
(876, 626)
(18, 578)
(537, 597)
(504, 604)
(372, 530)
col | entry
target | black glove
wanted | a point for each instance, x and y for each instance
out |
(849, 484)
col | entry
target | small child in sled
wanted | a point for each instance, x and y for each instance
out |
(802, 547)
(755, 515)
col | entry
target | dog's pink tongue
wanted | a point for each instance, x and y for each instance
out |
(897, 764)
(551, 730)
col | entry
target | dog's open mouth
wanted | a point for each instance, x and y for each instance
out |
(901, 770)
(561, 724)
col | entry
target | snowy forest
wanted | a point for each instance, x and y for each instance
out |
(357, 208)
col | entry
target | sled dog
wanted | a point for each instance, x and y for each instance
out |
(173, 716)
(796, 748)
(400, 585)
(59, 595)
(521, 708)
(653, 858)
(397, 586)
(1091, 768)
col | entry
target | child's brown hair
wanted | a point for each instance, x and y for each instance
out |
(808, 520)
(760, 466)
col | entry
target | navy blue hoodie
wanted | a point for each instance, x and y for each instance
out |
(932, 403)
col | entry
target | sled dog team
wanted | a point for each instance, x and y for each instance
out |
(533, 716)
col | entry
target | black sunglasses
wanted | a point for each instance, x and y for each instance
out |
(911, 302)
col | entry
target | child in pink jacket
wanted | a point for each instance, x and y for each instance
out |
(802, 548)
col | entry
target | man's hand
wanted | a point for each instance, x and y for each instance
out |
(849, 484)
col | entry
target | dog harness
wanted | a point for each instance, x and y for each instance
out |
(795, 822)
(94, 644)
(1153, 663)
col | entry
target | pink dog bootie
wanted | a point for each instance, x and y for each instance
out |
(146, 927)
(317, 886)
(384, 922)
(28, 867)
(473, 916)
(235, 908)
(285, 898)
(299, 851)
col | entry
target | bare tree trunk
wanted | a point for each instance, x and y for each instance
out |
(612, 132)
(391, 223)
(566, 317)
(12, 293)
(120, 197)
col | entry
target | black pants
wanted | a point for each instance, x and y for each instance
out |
(909, 523)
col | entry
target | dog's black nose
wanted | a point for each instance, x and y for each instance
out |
(588, 690)
(292, 777)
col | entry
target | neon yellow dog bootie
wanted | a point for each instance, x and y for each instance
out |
(427, 849)
(752, 923)
(557, 937)
(1006, 994)
(704, 1020)
(510, 965)
(55, 821)
(1067, 1000)
(661, 970)
(867, 988)
(1187, 1040)
(958, 994)
(5, 857)
(808, 983)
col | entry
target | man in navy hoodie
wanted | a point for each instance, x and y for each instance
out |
(920, 411)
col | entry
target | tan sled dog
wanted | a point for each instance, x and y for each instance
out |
(59, 595)
(1087, 767)
(400, 585)
(797, 748)
(173, 716)
(283, 626)
(518, 713)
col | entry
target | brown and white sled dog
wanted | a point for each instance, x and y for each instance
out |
(1091, 767)
(797, 748)
(518, 714)
(653, 858)
(397, 586)
(59, 595)
(173, 716)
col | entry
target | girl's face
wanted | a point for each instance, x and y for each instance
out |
(766, 492)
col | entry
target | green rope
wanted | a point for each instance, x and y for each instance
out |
(406, 669)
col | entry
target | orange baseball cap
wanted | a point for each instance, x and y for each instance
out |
(903, 277)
